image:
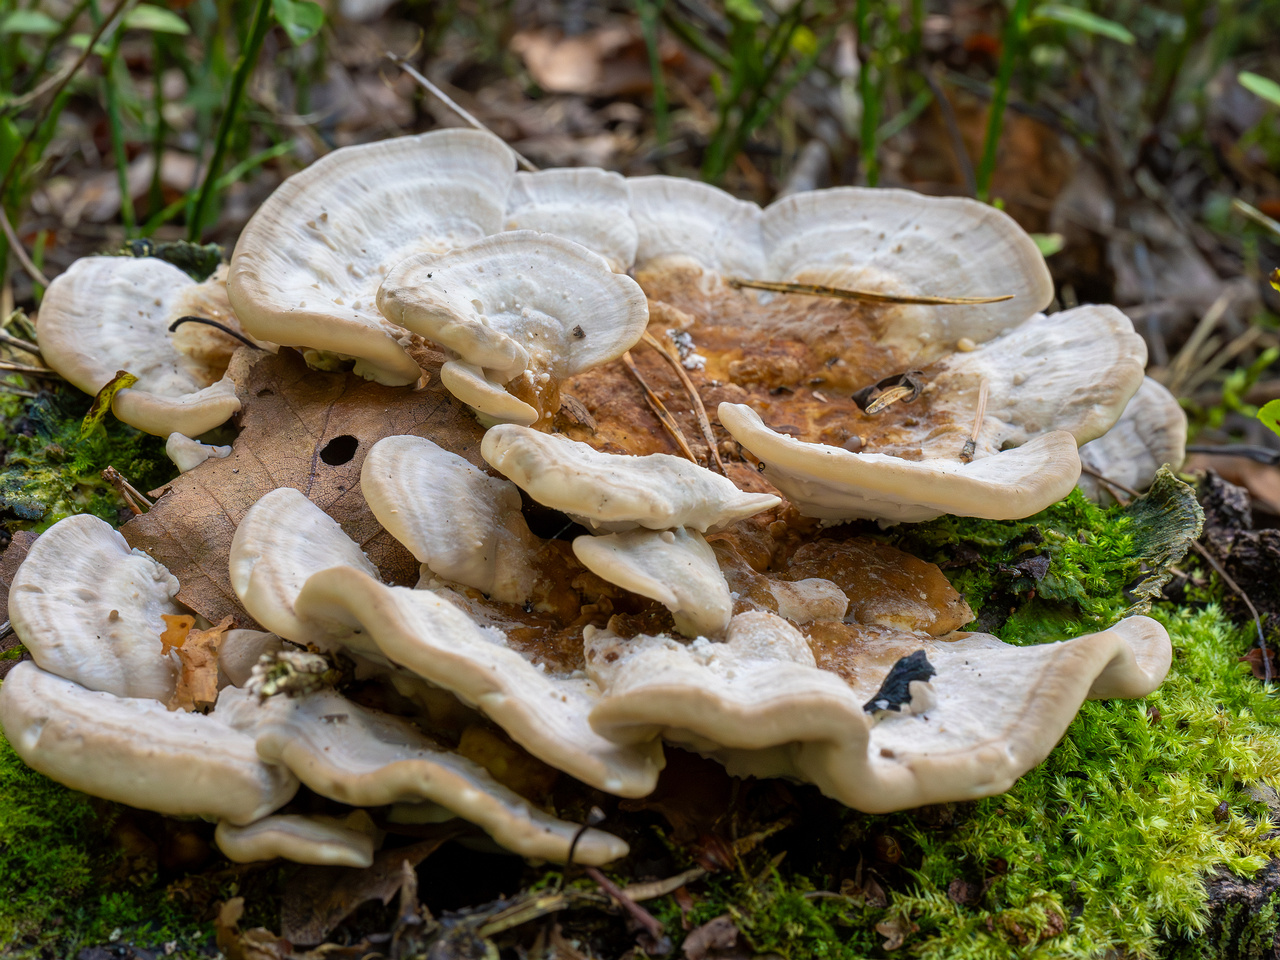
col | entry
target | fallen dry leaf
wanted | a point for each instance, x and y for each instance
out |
(717, 938)
(197, 685)
(177, 627)
(320, 898)
(304, 429)
(256, 944)
(895, 932)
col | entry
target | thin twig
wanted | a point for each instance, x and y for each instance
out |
(26, 346)
(1257, 620)
(1180, 369)
(638, 913)
(659, 408)
(10, 388)
(28, 368)
(19, 250)
(453, 105)
(704, 424)
(1111, 483)
(134, 499)
(840, 293)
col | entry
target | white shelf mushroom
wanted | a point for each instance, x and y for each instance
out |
(370, 759)
(582, 204)
(613, 491)
(760, 705)
(91, 610)
(106, 314)
(320, 840)
(993, 405)
(480, 541)
(517, 304)
(675, 567)
(134, 750)
(325, 590)
(306, 269)
(1151, 433)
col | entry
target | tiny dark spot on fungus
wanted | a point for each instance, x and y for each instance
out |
(578, 332)
(895, 693)
(339, 450)
(760, 466)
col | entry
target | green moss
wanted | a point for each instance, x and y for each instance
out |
(51, 472)
(59, 867)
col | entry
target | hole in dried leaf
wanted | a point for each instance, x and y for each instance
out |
(339, 450)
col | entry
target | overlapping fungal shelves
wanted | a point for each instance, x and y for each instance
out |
(709, 391)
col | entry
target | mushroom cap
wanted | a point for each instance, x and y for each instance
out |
(435, 639)
(133, 750)
(675, 567)
(832, 483)
(320, 840)
(187, 454)
(490, 401)
(758, 704)
(902, 242)
(480, 538)
(518, 300)
(685, 222)
(370, 759)
(280, 542)
(583, 204)
(1034, 378)
(89, 609)
(1150, 433)
(106, 314)
(306, 268)
(614, 491)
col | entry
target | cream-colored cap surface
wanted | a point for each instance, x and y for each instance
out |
(90, 610)
(307, 266)
(133, 750)
(758, 704)
(463, 524)
(106, 314)
(613, 491)
(1150, 433)
(370, 759)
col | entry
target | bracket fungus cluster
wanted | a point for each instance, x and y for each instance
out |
(867, 355)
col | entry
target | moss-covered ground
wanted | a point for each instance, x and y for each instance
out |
(1102, 850)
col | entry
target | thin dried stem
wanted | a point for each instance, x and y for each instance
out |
(704, 424)
(840, 293)
(134, 499)
(453, 105)
(659, 408)
(28, 368)
(19, 391)
(971, 445)
(1184, 363)
(20, 251)
(26, 346)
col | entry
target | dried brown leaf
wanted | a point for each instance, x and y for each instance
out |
(320, 898)
(304, 429)
(197, 685)
(256, 944)
(895, 931)
(177, 627)
(717, 938)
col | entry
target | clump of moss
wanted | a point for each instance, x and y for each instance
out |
(51, 471)
(58, 866)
